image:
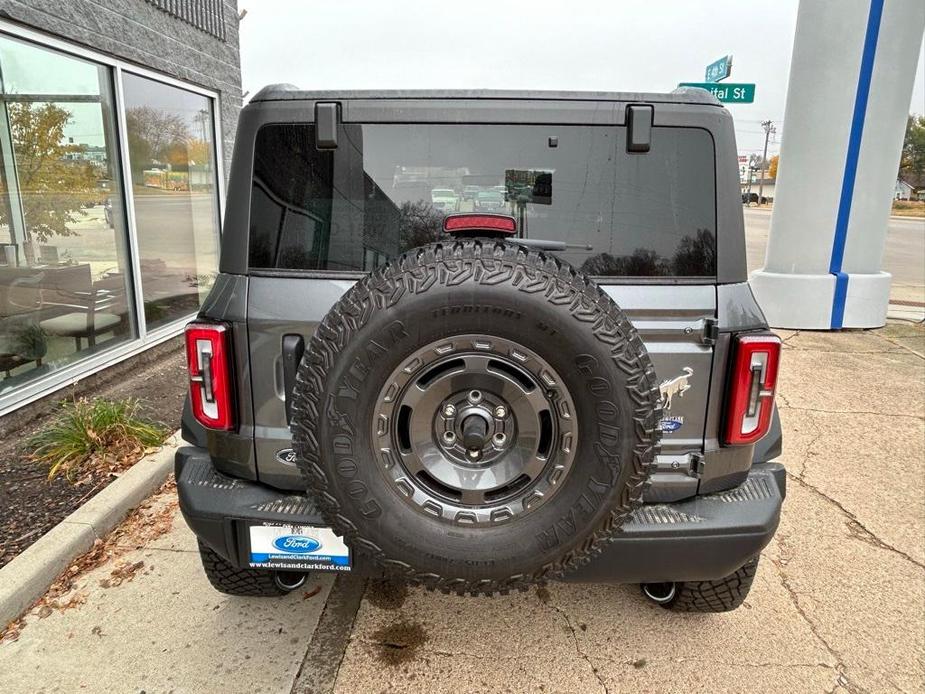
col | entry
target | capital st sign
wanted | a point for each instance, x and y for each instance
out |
(729, 93)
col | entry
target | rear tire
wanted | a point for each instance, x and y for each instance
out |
(229, 579)
(723, 595)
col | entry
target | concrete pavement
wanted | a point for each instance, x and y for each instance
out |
(838, 603)
(165, 630)
(839, 599)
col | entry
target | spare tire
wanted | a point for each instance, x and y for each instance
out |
(476, 416)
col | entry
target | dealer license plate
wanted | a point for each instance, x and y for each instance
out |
(296, 547)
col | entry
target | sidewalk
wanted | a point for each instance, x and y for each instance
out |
(837, 605)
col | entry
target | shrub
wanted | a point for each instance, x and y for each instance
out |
(95, 436)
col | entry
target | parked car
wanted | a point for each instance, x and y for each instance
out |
(749, 198)
(445, 199)
(556, 396)
(489, 201)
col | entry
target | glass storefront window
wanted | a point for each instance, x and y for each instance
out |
(172, 160)
(65, 285)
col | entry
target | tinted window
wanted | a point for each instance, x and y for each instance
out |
(387, 188)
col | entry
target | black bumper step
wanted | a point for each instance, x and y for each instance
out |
(703, 538)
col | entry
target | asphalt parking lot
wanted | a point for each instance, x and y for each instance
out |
(837, 605)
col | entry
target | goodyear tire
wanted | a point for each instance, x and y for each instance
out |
(475, 416)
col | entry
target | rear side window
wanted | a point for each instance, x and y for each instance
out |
(387, 187)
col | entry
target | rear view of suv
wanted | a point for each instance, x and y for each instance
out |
(559, 373)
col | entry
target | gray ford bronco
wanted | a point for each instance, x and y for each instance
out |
(481, 340)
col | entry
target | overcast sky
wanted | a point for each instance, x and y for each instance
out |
(612, 46)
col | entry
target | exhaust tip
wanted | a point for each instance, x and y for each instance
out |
(289, 580)
(660, 593)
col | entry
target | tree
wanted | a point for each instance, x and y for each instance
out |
(696, 255)
(772, 167)
(912, 160)
(418, 224)
(155, 135)
(199, 152)
(52, 187)
(642, 263)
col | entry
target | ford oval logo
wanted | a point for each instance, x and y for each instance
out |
(296, 544)
(671, 424)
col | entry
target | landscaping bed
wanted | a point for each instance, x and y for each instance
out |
(30, 505)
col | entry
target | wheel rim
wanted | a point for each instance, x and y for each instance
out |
(475, 429)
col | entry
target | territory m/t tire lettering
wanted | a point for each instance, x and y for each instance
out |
(475, 416)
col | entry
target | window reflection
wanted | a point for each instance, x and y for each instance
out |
(388, 187)
(171, 153)
(63, 257)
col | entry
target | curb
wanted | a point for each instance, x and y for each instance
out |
(25, 579)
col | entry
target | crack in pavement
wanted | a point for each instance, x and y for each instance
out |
(902, 346)
(856, 527)
(790, 337)
(584, 656)
(843, 679)
(804, 459)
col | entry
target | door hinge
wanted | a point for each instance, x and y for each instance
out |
(710, 331)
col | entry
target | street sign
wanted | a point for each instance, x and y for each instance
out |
(719, 69)
(729, 93)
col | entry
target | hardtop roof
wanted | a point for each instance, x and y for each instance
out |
(289, 92)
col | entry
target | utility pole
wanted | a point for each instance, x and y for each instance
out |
(768, 129)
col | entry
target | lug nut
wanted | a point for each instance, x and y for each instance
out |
(499, 439)
(500, 412)
(449, 437)
(449, 411)
(474, 454)
(475, 396)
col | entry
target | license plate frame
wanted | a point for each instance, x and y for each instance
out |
(295, 547)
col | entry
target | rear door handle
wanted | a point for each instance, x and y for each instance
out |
(293, 349)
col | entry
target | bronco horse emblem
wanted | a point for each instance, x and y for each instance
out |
(678, 385)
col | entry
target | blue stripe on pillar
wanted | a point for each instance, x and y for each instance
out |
(851, 163)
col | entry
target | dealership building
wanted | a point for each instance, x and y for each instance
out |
(115, 119)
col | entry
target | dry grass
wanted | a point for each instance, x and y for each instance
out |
(909, 208)
(89, 437)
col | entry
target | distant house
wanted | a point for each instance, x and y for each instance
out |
(909, 188)
(903, 190)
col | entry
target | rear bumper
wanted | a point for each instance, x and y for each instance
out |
(704, 538)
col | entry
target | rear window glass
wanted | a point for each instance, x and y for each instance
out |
(387, 187)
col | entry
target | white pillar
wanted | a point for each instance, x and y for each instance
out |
(851, 81)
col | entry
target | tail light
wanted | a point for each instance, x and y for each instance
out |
(462, 223)
(208, 356)
(753, 381)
